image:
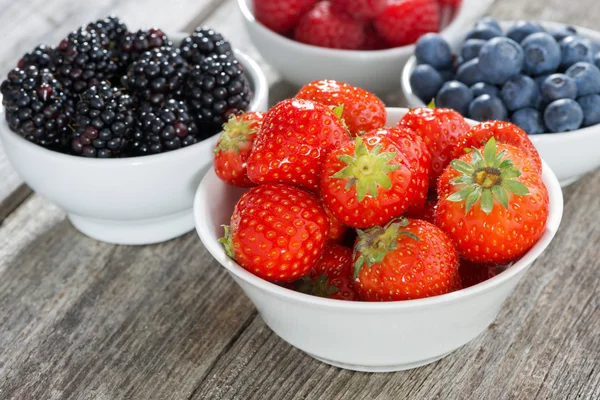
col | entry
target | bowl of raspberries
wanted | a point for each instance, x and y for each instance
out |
(117, 126)
(362, 42)
(542, 76)
(367, 236)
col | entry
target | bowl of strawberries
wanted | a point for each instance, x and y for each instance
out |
(375, 239)
(362, 42)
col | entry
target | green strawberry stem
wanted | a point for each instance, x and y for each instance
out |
(367, 170)
(227, 243)
(489, 175)
(374, 243)
(319, 287)
(235, 131)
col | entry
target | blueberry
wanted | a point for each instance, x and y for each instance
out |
(539, 80)
(574, 49)
(520, 92)
(562, 31)
(499, 59)
(597, 60)
(486, 108)
(590, 105)
(446, 74)
(485, 88)
(530, 120)
(542, 54)
(586, 76)
(469, 73)
(521, 29)
(455, 95)
(483, 31)
(491, 21)
(563, 115)
(425, 82)
(558, 86)
(470, 48)
(433, 49)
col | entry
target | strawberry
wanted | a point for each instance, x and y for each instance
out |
(472, 273)
(493, 205)
(406, 259)
(337, 230)
(426, 214)
(440, 129)
(277, 232)
(332, 275)
(362, 112)
(403, 22)
(363, 10)
(373, 40)
(451, 3)
(281, 16)
(295, 137)
(503, 132)
(326, 26)
(365, 182)
(234, 146)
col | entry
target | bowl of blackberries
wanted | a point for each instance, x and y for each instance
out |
(542, 76)
(117, 126)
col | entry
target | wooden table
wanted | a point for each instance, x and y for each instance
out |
(82, 319)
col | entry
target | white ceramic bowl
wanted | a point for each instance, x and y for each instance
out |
(569, 154)
(137, 200)
(376, 71)
(373, 337)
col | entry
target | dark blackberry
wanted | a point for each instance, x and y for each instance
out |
(157, 75)
(203, 43)
(36, 107)
(133, 44)
(164, 128)
(42, 57)
(215, 90)
(111, 27)
(104, 122)
(83, 62)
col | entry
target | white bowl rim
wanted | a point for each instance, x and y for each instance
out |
(261, 89)
(554, 219)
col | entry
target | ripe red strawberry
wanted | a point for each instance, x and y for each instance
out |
(426, 214)
(281, 16)
(277, 232)
(403, 22)
(332, 276)
(493, 205)
(472, 273)
(234, 146)
(293, 141)
(325, 26)
(363, 111)
(365, 182)
(363, 10)
(503, 132)
(373, 40)
(337, 230)
(440, 129)
(406, 259)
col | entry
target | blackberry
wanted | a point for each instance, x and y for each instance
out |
(42, 57)
(104, 121)
(163, 128)
(157, 75)
(111, 27)
(215, 90)
(83, 62)
(203, 43)
(133, 44)
(36, 107)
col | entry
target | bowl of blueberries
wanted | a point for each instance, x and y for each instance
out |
(542, 76)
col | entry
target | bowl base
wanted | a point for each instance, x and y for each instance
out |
(135, 232)
(384, 368)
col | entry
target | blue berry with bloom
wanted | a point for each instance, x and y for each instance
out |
(520, 92)
(433, 49)
(469, 73)
(530, 120)
(590, 105)
(574, 49)
(586, 77)
(500, 59)
(486, 108)
(485, 88)
(522, 29)
(558, 86)
(542, 54)
(455, 95)
(563, 115)
(471, 48)
(425, 82)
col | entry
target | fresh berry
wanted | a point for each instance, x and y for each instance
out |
(539, 80)
(325, 26)
(433, 49)
(486, 108)
(277, 232)
(281, 16)
(485, 88)
(42, 57)
(586, 77)
(491, 22)
(202, 43)
(403, 22)
(590, 105)
(332, 276)
(520, 91)
(365, 182)
(472, 273)
(363, 10)
(104, 122)
(523, 29)
(426, 82)
(363, 111)
(492, 203)
(483, 31)
(562, 31)
(440, 129)
(133, 44)
(455, 95)
(500, 59)
(337, 230)
(541, 54)
(215, 90)
(597, 60)
(502, 132)
(471, 48)
(575, 49)
(558, 86)
(163, 128)
(112, 27)
(36, 107)
(404, 260)
(293, 142)
(530, 120)
(563, 115)
(234, 146)
(157, 75)
(469, 72)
